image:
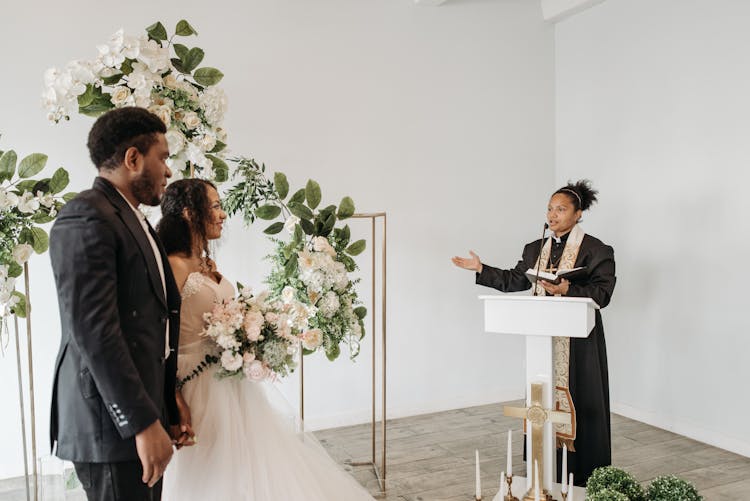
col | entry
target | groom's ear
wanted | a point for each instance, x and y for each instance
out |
(133, 160)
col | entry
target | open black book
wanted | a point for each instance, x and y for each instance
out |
(555, 278)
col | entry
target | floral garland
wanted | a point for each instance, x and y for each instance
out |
(151, 72)
(25, 204)
(314, 265)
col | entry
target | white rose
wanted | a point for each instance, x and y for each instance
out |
(175, 141)
(207, 142)
(27, 203)
(191, 120)
(288, 294)
(231, 361)
(120, 95)
(163, 112)
(171, 82)
(290, 224)
(22, 253)
(256, 371)
(312, 339)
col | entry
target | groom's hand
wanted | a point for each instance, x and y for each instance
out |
(154, 450)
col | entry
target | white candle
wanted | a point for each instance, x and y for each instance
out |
(509, 461)
(503, 486)
(536, 481)
(478, 490)
(570, 484)
(565, 469)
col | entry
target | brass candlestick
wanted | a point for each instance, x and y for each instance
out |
(509, 496)
(564, 496)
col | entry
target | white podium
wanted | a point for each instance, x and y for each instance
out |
(539, 319)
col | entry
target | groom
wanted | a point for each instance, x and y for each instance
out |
(114, 389)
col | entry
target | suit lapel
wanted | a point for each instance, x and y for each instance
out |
(133, 225)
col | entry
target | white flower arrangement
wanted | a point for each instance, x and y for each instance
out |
(315, 265)
(25, 204)
(143, 71)
(256, 337)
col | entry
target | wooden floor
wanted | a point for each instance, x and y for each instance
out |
(431, 457)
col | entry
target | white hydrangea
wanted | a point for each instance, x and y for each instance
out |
(213, 100)
(231, 361)
(22, 253)
(28, 204)
(329, 304)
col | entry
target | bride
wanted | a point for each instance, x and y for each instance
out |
(242, 445)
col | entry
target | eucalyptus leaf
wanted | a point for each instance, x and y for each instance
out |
(32, 165)
(356, 248)
(346, 235)
(300, 210)
(157, 31)
(282, 185)
(333, 352)
(8, 165)
(15, 270)
(19, 309)
(208, 76)
(69, 196)
(298, 197)
(298, 235)
(328, 225)
(312, 194)
(180, 50)
(221, 169)
(268, 211)
(360, 311)
(41, 240)
(307, 226)
(184, 29)
(290, 268)
(274, 228)
(192, 59)
(59, 181)
(346, 208)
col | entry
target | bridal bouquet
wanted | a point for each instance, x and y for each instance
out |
(257, 337)
(314, 265)
(152, 72)
(25, 204)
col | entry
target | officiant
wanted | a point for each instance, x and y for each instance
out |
(581, 374)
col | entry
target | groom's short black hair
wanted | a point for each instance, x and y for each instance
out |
(117, 130)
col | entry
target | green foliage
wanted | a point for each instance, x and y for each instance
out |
(184, 29)
(607, 495)
(671, 488)
(346, 208)
(282, 185)
(356, 248)
(21, 308)
(208, 76)
(615, 479)
(157, 32)
(313, 194)
(8, 165)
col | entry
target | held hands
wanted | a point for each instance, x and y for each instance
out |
(560, 289)
(468, 263)
(154, 449)
(183, 434)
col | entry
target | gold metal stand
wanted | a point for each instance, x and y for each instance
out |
(380, 471)
(509, 496)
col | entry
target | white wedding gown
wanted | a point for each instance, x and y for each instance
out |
(246, 447)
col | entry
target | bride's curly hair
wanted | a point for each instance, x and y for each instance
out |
(185, 212)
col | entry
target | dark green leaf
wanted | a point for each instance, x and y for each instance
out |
(19, 309)
(305, 351)
(192, 59)
(333, 352)
(345, 235)
(127, 66)
(221, 169)
(32, 165)
(274, 228)
(180, 50)
(290, 269)
(112, 80)
(300, 210)
(184, 29)
(298, 235)
(42, 217)
(41, 240)
(208, 76)
(282, 185)
(15, 270)
(268, 211)
(330, 222)
(356, 248)
(69, 196)
(8, 165)
(157, 32)
(346, 208)
(177, 63)
(59, 181)
(361, 312)
(312, 194)
(219, 146)
(298, 197)
(27, 185)
(307, 226)
(26, 236)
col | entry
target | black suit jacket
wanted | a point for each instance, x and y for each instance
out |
(111, 376)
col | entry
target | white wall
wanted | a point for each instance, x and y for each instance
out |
(653, 105)
(441, 116)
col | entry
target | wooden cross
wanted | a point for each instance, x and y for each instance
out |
(537, 415)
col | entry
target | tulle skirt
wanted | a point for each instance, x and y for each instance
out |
(248, 448)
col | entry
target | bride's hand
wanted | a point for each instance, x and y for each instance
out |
(183, 433)
(468, 263)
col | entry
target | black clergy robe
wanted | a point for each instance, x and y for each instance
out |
(589, 381)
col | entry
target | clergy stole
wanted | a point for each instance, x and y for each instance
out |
(565, 433)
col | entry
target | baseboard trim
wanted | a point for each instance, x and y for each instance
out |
(690, 430)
